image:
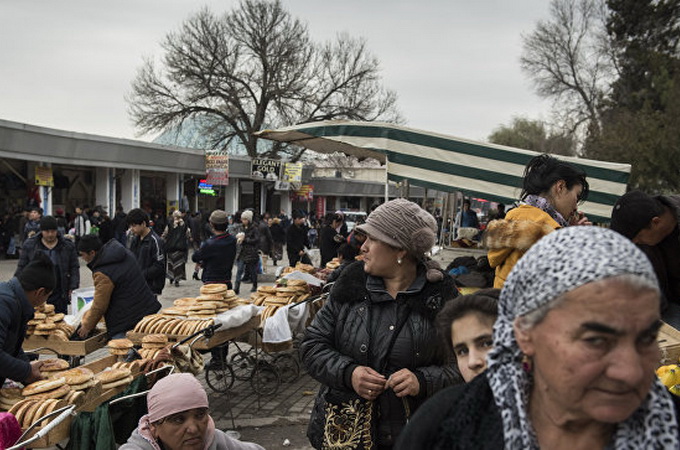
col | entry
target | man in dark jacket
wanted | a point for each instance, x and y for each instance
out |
(121, 294)
(149, 249)
(62, 253)
(18, 298)
(217, 254)
(652, 224)
(296, 240)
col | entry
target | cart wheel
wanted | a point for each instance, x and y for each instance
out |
(242, 364)
(288, 367)
(265, 379)
(220, 379)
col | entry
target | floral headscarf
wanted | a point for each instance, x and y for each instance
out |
(557, 264)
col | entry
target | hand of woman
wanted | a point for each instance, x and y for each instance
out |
(578, 218)
(403, 383)
(367, 383)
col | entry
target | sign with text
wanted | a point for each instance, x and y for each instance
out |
(292, 172)
(43, 176)
(266, 169)
(217, 168)
(305, 193)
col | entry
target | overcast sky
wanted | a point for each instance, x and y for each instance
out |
(454, 64)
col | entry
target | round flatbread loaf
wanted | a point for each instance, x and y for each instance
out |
(47, 308)
(117, 383)
(78, 375)
(184, 301)
(59, 335)
(213, 288)
(111, 375)
(59, 392)
(119, 351)
(54, 364)
(155, 339)
(11, 393)
(32, 413)
(39, 316)
(209, 297)
(120, 343)
(81, 387)
(45, 326)
(43, 386)
(75, 398)
(58, 317)
(23, 407)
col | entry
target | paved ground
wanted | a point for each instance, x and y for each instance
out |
(269, 420)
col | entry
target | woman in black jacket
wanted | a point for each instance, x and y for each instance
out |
(375, 339)
(330, 238)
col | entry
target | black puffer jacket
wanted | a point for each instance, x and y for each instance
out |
(353, 329)
(250, 245)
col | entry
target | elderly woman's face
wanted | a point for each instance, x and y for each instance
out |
(594, 355)
(380, 259)
(184, 430)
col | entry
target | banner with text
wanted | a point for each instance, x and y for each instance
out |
(217, 168)
(43, 176)
(292, 172)
(305, 193)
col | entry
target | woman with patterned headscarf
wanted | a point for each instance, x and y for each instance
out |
(574, 355)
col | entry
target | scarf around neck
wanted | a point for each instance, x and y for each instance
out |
(544, 205)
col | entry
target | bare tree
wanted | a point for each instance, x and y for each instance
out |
(254, 68)
(569, 59)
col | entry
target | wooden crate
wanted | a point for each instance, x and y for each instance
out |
(669, 344)
(71, 348)
(99, 395)
(220, 337)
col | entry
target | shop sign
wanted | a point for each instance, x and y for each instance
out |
(266, 169)
(292, 172)
(305, 193)
(217, 168)
(43, 176)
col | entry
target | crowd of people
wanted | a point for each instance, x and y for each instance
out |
(560, 352)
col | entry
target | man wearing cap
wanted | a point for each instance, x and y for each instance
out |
(652, 224)
(62, 253)
(18, 298)
(217, 254)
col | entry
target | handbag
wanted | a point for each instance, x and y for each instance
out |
(349, 423)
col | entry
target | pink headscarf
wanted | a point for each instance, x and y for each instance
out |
(175, 393)
(10, 431)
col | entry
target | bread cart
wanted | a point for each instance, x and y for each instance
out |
(74, 349)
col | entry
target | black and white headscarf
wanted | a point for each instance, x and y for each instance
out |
(557, 264)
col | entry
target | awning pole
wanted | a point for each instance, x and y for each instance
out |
(387, 183)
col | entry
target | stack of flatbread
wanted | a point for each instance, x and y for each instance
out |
(286, 292)
(80, 379)
(333, 263)
(54, 367)
(299, 267)
(152, 344)
(170, 325)
(46, 389)
(48, 324)
(119, 347)
(10, 397)
(29, 410)
(112, 378)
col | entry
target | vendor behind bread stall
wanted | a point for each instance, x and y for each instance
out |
(121, 294)
(179, 418)
(18, 297)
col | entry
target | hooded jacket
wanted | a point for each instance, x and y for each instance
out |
(121, 293)
(353, 329)
(150, 254)
(67, 262)
(508, 239)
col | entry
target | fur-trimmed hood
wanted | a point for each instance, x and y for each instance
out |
(514, 234)
(351, 287)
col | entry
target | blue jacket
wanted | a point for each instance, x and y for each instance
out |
(15, 312)
(216, 256)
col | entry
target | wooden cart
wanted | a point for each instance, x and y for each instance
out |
(74, 349)
(669, 344)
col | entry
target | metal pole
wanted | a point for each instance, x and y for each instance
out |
(387, 183)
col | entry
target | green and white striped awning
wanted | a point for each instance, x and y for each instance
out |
(447, 163)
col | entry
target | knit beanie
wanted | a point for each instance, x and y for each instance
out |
(247, 215)
(402, 224)
(48, 223)
(175, 393)
(38, 273)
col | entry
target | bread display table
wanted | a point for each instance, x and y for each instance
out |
(218, 338)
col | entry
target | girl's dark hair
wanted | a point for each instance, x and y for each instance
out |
(544, 170)
(347, 252)
(484, 301)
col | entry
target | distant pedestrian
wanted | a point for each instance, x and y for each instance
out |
(217, 254)
(32, 226)
(296, 240)
(249, 256)
(62, 253)
(149, 249)
(278, 239)
(176, 237)
(81, 224)
(266, 241)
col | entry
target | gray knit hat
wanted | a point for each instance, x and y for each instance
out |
(402, 224)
